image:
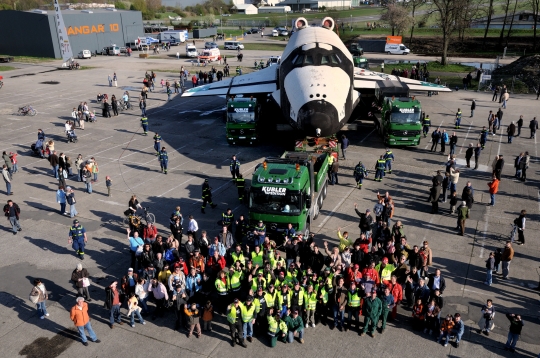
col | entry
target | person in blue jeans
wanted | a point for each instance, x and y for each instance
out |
(113, 302)
(490, 266)
(458, 329)
(516, 324)
(295, 325)
(340, 303)
(134, 309)
(81, 319)
(40, 291)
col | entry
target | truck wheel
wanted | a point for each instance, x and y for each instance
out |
(321, 201)
(325, 190)
(388, 53)
(316, 210)
(306, 230)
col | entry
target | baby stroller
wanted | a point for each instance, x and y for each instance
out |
(71, 136)
(37, 148)
(122, 105)
(91, 116)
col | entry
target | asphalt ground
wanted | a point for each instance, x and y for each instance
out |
(193, 132)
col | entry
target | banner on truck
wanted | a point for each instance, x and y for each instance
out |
(393, 40)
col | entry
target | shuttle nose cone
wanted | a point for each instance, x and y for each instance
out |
(319, 114)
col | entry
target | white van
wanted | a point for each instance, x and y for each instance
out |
(394, 49)
(210, 55)
(275, 33)
(233, 45)
(191, 51)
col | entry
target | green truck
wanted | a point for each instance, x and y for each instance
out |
(355, 49)
(292, 188)
(398, 117)
(242, 120)
(361, 62)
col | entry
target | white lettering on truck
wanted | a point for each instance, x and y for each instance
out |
(268, 190)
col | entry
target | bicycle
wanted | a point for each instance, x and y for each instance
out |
(27, 111)
(135, 220)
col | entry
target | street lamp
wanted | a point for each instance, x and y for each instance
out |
(351, 22)
(200, 25)
(221, 20)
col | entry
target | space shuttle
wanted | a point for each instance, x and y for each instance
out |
(315, 85)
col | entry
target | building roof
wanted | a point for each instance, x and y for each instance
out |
(78, 11)
(244, 6)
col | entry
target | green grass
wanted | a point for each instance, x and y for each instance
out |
(433, 67)
(265, 46)
(28, 59)
(7, 68)
(87, 67)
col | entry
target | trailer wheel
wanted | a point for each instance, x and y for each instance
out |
(325, 190)
(321, 201)
(306, 231)
(316, 210)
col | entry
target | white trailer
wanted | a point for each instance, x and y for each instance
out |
(174, 37)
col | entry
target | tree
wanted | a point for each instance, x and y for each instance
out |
(505, 7)
(210, 19)
(489, 15)
(511, 23)
(139, 5)
(447, 12)
(535, 9)
(397, 17)
(153, 5)
(120, 5)
(413, 4)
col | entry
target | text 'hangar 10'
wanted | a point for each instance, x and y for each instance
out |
(316, 84)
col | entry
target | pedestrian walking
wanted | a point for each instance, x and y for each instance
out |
(389, 158)
(505, 98)
(506, 259)
(511, 131)
(499, 118)
(77, 238)
(81, 279)
(87, 179)
(524, 165)
(463, 215)
(444, 140)
(109, 79)
(157, 143)
(380, 165)
(533, 126)
(7, 179)
(144, 124)
(495, 94)
(434, 194)
(519, 125)
(39, 296)
(458, 117)
(490, 266)
(499, 167)
(81, 319)
(473, 107)
(426, 123)
(134, 309)
(114, 105)
(468, 154)
(115, 80)
(516, 325)
(14, 162)
(163, 160)
(12, 212)
(483, 137)
(360, 173)
(344, 146)
(8, 164)
(453, 143)
(113, 300)
(334, 172)
(477, 152)
(108, 184)
(493, 189)
(520, 224)
(61, 199)
(234, 167)
(70, 198)
(142, 106)
(435, 138)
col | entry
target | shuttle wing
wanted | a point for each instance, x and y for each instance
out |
(263, 81)
(362, 79)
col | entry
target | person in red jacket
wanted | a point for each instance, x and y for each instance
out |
(150, 233)
(216, 263)
(397, 292)
(183, 266)
(371, 273)
(364, 243)
(353, 274)
(493, 189)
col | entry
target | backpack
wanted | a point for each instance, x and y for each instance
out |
(169, 256)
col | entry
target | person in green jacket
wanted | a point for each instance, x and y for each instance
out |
(371, 309)
(276, 328)
(294, 325)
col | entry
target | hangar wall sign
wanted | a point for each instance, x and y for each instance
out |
(86, 30)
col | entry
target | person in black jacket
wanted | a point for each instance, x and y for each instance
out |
(437, 282)
(316, 259)
(176, 228)
(179, 300)
(366, 220)
(113, 300)
(516, 325)
(468, 155)
(435, 138)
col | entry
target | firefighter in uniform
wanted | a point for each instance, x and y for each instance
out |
(426, 124)
(360, 173)
(458, 118)
(240, 184)
(483, 137)
(234, 317)
(227, 219)
(379, 169)
(77, 238)
(157, 143)
(163, 160)
(234, 167)
(144, 124)
(206, 196)
(389, 158)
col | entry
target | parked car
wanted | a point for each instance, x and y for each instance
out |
(132, 45)
(210, 45)
(282, 31)
(123, 49)
(253, 30)
(226, 15)
(84, 54)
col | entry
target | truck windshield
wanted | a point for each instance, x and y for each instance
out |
(242, 117)
(406, 118)
(288, 204)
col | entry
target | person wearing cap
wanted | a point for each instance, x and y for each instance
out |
(388, 305)
(463, 215)
(78, 276)
(197, 261)
(77, 238)
(113, 300)
(295, 325)
(310, 298)
(206, 196)
(79, 315)
(371, 309)
(385, 269)
(234, 317)
(179, 299)
(129, 281)
(277, 328)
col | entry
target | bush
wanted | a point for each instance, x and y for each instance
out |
(157, 16)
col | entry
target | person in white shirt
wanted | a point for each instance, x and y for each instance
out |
(193, 227)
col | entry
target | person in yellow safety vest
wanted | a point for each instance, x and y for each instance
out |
(280, 280)
(234, 318)
(270, 296)
(259, 281)
(267, 272)
(248, 317)
(297, 296)
(292, 273)
(385, 270)
(238, 255)
(321, 311)
(257, 256)
(235, 279)
(276, 328)
(327, 278)
(353, 307)
(277, 260)
(310, 297)
(380, 166)
(284, 299)
(222, 285)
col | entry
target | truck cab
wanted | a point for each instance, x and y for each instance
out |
(242, 120)
(355, 49)
(361, 62)
(398, 116)
(191, 51)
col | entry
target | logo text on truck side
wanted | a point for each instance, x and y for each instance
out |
(268, 190)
